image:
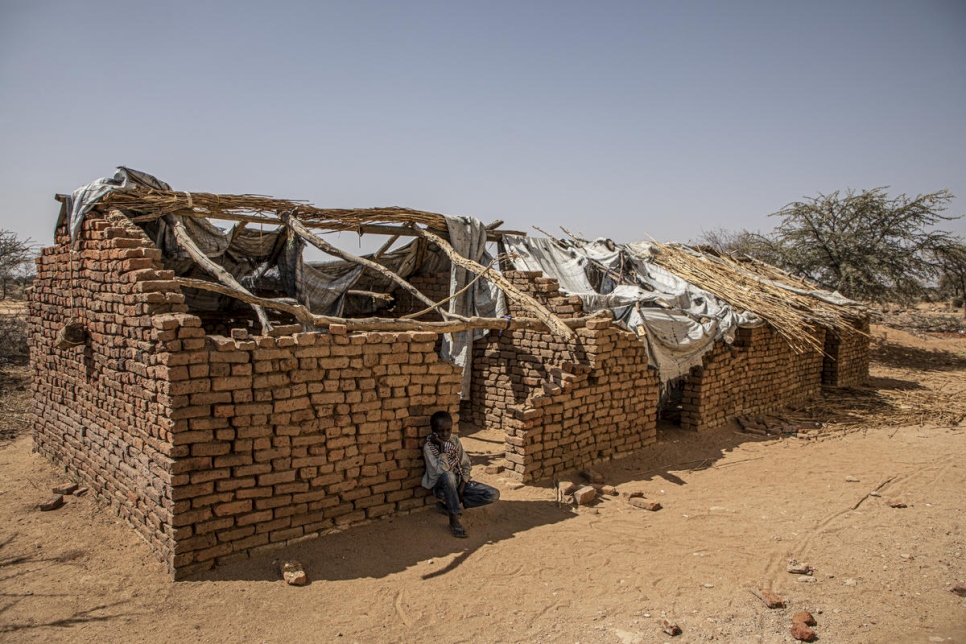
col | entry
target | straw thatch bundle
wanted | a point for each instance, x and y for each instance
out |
(791, 314)
(145, 205)
(773, 272)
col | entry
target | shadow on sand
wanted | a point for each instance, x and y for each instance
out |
(390, 546)
(890, 354)
(675, 450)
(395, 544)
(21, 563)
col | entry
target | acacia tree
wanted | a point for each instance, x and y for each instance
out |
(951, 261)
(742, 242)
(865, 244)
(15, 254)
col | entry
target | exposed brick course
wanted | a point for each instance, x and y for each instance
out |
(847, 356)
(758, 374)
(563, 405)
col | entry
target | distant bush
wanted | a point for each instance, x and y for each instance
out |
(13, 339)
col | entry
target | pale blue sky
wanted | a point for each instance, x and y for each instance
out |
(618, 119)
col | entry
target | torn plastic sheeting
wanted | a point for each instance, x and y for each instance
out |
(468, 238)
(84, 198)
(681, 321)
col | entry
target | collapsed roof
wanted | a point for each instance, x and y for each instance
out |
(679, 300)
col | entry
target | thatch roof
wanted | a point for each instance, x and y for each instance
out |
(146, 205)
(763, 290)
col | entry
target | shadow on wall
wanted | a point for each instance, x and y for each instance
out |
(390, 546)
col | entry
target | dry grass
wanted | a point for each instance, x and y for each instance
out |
(791, 314)
(14, 402)
(909, 385)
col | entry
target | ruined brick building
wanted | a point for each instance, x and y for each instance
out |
(223, 395)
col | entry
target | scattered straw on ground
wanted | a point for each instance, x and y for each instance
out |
(897, 393)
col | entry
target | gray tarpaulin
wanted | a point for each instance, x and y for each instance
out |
(467, 236)
(681, 322)
(83, 199)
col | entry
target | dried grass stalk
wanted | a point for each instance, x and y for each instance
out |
(792, 315)
(153, 204)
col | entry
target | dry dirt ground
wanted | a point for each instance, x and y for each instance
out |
(736, 508)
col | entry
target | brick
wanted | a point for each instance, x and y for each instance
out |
(234, 507)
(254, 518)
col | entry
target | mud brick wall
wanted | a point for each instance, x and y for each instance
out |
(563, 405)
(101, 409)
(294, 435)
(847, 356)
(435, 286)
(216, 447)
(758, 374)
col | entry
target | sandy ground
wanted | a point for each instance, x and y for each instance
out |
(736, 507)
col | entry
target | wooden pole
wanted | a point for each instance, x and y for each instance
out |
(326, 247)
(368, 229)
(184, 240)
(385, 247)
(553, 323)
(306, 317)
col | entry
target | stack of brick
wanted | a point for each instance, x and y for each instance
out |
(563, 405)
(215, 447)
(847, 356)
(99, 408)
(760, 373)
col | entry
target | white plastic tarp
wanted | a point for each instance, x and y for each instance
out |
(681, 322)
(83, 199)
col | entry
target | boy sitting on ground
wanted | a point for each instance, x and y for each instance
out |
(448, 474)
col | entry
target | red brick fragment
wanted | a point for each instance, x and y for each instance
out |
(770, 599)
(670, 628)
(64, 488)
(585, 495)
(52, 503)
(804, 617)
(802, 633)
(643, 504)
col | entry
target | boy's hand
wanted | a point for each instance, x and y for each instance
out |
(435, 439)
(460, 489)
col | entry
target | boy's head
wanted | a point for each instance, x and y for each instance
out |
(441, 424)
